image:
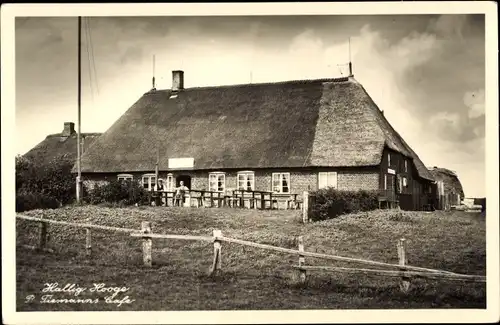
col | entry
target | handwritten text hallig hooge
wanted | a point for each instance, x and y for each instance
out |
(71, 293)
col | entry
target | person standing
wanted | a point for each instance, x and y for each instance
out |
(180, 193)
(160, 188)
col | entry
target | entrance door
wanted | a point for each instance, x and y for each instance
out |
(185, 179)
(391, 189)
(187, 182)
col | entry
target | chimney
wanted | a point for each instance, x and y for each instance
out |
(69, 129)
(177, 80)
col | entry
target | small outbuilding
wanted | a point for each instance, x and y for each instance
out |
(449, 191)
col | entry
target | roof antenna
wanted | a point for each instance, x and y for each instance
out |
(154, 85)
(350, 63)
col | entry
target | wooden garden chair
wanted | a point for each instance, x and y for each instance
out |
(231, 200)
(292, 203)
(252, 203)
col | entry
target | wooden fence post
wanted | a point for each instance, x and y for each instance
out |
(305, 207)
(42, 235)
(302, 260)
(217, 262)
(403, 260)
(147, 244)
(88, 242)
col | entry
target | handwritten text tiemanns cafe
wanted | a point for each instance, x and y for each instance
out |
(83, 295)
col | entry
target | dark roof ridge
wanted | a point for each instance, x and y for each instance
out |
(54, 135)
(291, 82)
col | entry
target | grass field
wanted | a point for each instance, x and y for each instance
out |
(251, 279)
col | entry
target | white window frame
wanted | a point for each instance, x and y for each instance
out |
(246, 174)
(280, 191)
(406, 165)
(405, 181)
(385, 182)
(389, 159)
(170, 183)
(125, 177)
(330, 181)
(151, 181)
(217, 175)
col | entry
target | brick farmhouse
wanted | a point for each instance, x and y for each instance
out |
(284, 137)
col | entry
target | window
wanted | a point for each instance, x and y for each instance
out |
(246, 181)
(281, 182)
(406, 166)
(216, 182)
(125, 177)
(388, 159)
(170, 183)
(327, 179)
(405, 182)
(385, 181)
(148, 181)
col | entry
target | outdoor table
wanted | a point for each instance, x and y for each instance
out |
(239, 196)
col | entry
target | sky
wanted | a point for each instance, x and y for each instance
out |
(426, 72)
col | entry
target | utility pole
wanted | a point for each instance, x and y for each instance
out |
(78, 140)
(157, 172)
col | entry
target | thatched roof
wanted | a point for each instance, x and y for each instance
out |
(308, 123)
(449, 179)
(60, 145)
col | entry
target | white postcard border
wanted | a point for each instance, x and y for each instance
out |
(10, 11)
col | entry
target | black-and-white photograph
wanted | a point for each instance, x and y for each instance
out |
(250, 162)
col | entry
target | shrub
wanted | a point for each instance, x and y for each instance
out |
(121, 192)
(42, 184)
(329, 203)
(29, 201)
